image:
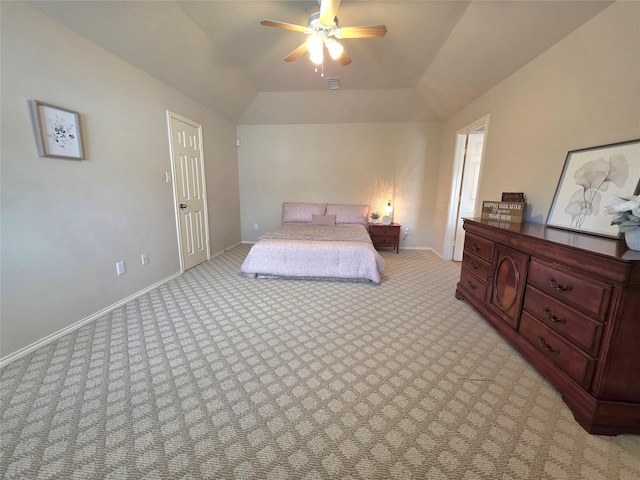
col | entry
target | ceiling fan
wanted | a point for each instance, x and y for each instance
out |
(323, 31)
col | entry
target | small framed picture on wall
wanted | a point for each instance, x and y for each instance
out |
(58, 132)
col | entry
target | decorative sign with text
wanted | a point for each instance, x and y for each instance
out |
(504, 211)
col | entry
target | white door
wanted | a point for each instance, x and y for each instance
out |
(469, 187)
(189, 190)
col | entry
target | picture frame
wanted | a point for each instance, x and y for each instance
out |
(591, 179)
(513, 197)
(58, 131)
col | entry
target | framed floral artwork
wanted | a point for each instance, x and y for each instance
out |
(57, 129)
(591, 179)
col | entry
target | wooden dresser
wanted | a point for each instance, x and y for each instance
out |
(385, 235)
(570, 304)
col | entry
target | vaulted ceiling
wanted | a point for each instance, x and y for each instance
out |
(436, 57)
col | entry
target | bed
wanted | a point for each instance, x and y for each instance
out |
(317, 240)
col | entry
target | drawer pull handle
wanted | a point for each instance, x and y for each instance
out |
(475, 265)
(471, 285)
(546, 346)
(476, 247)
(552, 317)
(557, 286)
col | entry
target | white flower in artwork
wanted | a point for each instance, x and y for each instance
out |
(592, 178)
(60, 133)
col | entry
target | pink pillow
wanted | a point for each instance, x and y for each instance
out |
(349, 213)
(301, 212)
(323, 219)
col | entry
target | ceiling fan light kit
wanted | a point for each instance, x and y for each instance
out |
(335, 48)
(315, 47)
(323, 30)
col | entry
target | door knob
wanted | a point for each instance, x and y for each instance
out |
(182, 205)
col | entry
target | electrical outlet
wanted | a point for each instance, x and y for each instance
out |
(405, 230)
(145, 258)
(120, 269)
(255, 226)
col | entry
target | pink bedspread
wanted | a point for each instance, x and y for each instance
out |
(287, 257)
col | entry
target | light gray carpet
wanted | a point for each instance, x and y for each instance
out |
(220, 377)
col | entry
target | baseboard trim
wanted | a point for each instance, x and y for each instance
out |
(66, 330)
(224, 250)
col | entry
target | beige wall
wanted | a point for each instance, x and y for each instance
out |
(339, 163)
(66, 223)
(582, 92)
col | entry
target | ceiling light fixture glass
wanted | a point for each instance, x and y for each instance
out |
(334, 47)
(315, 47)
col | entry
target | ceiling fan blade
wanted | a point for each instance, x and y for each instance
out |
(285, 26)
(369, 31)
(328, 10)
(296, 53)
(344, 59)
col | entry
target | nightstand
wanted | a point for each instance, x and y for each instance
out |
(385, 236)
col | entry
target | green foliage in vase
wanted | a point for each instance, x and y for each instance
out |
(627, 211)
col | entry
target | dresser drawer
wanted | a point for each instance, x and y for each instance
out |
(384, 230)
(480, 247)
(583, 292)
(478, 267)
(382, 241)
(472, 284)
(570, 359)
(577, 327)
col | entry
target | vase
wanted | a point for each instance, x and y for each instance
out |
(632, 237)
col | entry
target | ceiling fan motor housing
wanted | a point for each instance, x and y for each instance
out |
(315, 26)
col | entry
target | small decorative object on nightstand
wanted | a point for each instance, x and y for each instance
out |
(385, 236)
(388, 218)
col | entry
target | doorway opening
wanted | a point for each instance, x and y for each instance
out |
(470, 143)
